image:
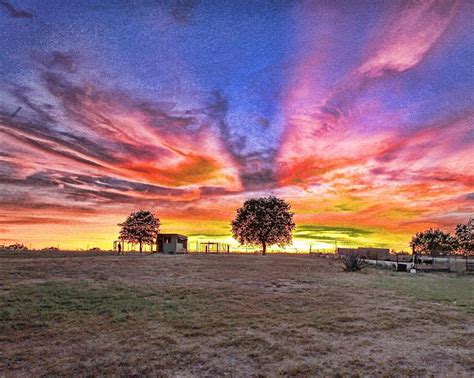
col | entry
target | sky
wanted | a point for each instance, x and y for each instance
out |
(359, 113)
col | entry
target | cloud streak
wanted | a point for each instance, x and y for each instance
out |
(14, 12)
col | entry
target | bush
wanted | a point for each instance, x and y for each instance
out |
(50, 249)
(16, 247)
(352, 262)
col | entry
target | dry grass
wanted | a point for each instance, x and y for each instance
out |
(208, 315)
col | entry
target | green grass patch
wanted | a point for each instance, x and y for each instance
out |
(442, 288)
(36, 305)
(185, 309)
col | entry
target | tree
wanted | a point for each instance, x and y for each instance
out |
(141, 227)
(433, 242)
(264, 221)
(465, 236)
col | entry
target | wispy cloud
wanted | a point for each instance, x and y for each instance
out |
(13, 11)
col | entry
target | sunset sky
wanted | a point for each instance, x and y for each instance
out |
(360, 114)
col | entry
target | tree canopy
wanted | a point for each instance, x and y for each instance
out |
(433, 241)
(465, 236)
(140, 227)
(264, 221)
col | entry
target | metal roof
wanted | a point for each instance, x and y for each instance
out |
(178, 235)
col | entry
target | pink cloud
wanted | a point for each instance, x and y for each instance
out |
(406, 37)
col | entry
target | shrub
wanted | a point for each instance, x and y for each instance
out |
(16, 247)
(352, 262)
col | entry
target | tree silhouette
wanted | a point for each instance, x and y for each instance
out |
(465, 236)
(16, 247)
(141, 227)
(433, 242)
(264, 221)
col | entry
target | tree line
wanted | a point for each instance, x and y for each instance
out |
(269, 221)
(260, 222)
(436, 242)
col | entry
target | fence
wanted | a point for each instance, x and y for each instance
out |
(469, 263)
(212, 247)
(448, 263)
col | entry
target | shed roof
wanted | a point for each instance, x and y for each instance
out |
(169, 235)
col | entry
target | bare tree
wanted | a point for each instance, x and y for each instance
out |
(264, 221)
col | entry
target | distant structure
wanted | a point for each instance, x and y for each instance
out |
(172, 243)
(366, 253)
(118, 243)
(165, 243)
(213, 247)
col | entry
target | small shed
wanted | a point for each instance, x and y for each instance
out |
(172, 243)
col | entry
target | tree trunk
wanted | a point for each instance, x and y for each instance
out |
(140, 247)
(264, 248)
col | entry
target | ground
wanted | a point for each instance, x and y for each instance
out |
(213, 315)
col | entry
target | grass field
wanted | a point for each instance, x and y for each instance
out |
(214, 315)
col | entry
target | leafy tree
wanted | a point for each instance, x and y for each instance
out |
(264, 221)
(141, 227)
(465, 236)
(433, 242)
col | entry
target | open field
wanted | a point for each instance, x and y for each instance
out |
(212, 315)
